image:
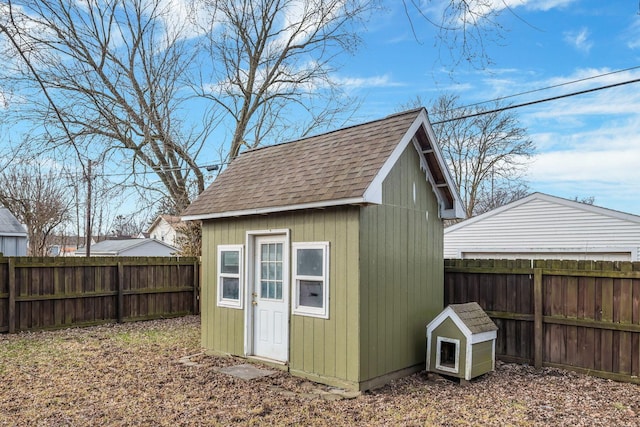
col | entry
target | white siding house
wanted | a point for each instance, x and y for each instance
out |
(13, 235)
(541, 226)
(166, 228)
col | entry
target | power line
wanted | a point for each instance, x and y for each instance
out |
(539, 101)
(208, 168)
(584, 79)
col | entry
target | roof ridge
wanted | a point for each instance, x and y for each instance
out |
(390, 116)
(538, 195)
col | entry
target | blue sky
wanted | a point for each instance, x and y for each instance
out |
(587, 145)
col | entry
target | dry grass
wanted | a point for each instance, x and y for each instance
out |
(131, 375)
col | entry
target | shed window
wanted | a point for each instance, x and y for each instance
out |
(230, 276)
(311, 279)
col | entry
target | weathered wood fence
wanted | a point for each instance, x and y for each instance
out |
(49, 293)
(579, 315)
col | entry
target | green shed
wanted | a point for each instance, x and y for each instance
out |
(461, 342)
(325, 255)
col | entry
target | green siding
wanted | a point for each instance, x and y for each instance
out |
(482, 360)
(319, 347)
(228, 336)
(402, 273)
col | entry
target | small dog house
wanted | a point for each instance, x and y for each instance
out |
(461, 342)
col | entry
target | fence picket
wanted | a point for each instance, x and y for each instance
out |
(48, 293)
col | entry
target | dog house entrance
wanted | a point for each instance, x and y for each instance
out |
(448, 354)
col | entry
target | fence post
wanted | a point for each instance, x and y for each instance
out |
(12, 295)
(538, 338)
(120, 293)
(196, 286)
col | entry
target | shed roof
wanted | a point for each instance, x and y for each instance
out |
(346, 166)
(9, 224)
(474, 317)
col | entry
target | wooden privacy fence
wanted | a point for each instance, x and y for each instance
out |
(48, 293)
(579, 315)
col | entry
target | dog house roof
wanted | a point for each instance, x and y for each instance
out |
(474, 317)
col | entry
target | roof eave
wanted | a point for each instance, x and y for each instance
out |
(12, 234)
(448, 209)
(286, 208)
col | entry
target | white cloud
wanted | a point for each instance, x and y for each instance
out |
(633, 35)
(586, 160)
(609, 175)
(579, 40)
(367, 82)
(185, 17)
(602, 165)
(543, 5)
(485, 8)
(587, 145)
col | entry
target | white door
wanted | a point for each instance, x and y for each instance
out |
(270, 299)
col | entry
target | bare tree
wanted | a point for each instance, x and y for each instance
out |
(274, 57)
(113, 70)
(464, 28)
(486, 150)
(40, 200)
(189, 239)
(126, 226)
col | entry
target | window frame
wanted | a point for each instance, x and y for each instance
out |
(456, 368)
(227, 302)
(303, 310)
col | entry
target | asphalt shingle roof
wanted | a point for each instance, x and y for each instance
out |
(333, 166)
(472, 315)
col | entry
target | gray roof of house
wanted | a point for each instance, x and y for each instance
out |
(118, 246)
(474, 317)
(9, 224)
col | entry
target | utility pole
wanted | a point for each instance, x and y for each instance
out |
(88, 230)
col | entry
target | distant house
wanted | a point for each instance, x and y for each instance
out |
(324, 255)
(64, 245)
(129, 247)
(541, 226)
(13, 236)
(166, 228)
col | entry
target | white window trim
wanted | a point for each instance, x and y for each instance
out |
(301, 310)
(226, 302)
(456, 368)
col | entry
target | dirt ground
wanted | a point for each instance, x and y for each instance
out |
(136, 375)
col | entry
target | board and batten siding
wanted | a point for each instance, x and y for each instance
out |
(402, 272)
(327, 348)
(546, 227)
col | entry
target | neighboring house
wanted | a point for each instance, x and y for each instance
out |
(166, 228)
(324, 255)
(64, 245)
(13, 235)
(541, 226)
(129, 247)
